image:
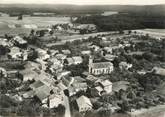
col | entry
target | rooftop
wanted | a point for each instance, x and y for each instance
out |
(83, 100)
(101, 65)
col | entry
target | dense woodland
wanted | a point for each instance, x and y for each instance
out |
(123, 21)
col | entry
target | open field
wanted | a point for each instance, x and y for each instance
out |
(6, 23)
(153, 32)
(158, 111)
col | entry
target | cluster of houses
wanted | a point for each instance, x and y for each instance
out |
(51, 83)
(51, 87)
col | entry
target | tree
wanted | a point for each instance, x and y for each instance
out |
(32, 55)
(129, 32)
(51, 32)
(32, 32)
(41, 33)
(20, 17)
(61, 110)
(125, 106)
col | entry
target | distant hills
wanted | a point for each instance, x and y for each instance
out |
(157, 10)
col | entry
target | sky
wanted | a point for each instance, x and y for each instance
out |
(86, 2)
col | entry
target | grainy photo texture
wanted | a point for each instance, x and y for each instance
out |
(82, 58)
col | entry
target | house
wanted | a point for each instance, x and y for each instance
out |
(14, 74)
(15, 53)
(56, 68)
(3, 72)
(125, 65)
(159, 71)
(88, 27)
(66, 52)
(69, 61)
(80, 86)
(42, 93)
(61, 86)
(62, 74)
(67, 81)
(106, 85)
(53, 52)
(75, 85)
(56, 65)
(28, 74)
(61, 56)
(108, 50)
(5, 43)
(74, 60)
(91, 78)
(17, 98)
(97, 91)
(109, 57)
(42, 63)
(84, 104)
(77, 59)
(32, 65)
(100, 67)
(20, 42)
(42, 54)
(54, 100)
(28, 94)
(86, 52)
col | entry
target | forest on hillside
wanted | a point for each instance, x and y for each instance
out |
(124, 21)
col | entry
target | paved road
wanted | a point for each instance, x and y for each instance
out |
(67, 107)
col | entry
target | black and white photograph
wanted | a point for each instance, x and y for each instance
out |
(82, 58)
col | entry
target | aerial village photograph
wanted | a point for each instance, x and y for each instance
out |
(82, 58)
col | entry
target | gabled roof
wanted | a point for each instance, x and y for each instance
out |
(4, 42)
(70, 61)
(60, 56)
(91, 78)
(36, 84)
(99, 88)
(105, 83)
(84, 101)
(20, 40)
(43, 92)
(80, 85)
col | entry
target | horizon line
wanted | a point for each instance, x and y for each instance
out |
(80, 4)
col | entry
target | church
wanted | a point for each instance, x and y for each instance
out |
(100, 67)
